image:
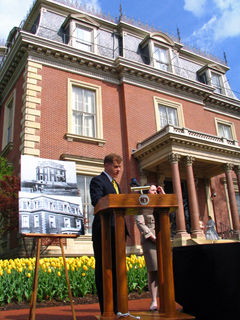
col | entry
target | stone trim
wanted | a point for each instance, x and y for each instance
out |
(31, 113)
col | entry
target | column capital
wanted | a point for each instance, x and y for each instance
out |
(188, 160)
(237, 170)
(144, 174)
(227, 167)
(173, 157)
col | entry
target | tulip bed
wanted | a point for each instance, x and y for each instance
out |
(16, 278)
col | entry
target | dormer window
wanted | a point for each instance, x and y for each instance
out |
(83, 38)
(81, 31)
(161, 58)
(212, 75)
(216, 82)
(160, 50)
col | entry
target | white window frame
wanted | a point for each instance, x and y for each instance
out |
(225, 123)
(25, 221)
(168, 104)
(218, 88)
(164, 66)
(67, 223)
(98, 139)
(9, 132)
(88, 209)
(36, 221)
(53, 220)
(74, 41)
(82, 43)
(78, 223)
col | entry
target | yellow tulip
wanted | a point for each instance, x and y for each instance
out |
(59, 273)
(8, 271)
(29, 275)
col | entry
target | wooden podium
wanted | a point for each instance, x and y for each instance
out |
(129, 204)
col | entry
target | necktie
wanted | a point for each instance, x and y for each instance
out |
(115, 186)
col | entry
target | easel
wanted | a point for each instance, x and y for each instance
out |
(35, 280)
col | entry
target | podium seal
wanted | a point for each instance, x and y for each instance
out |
(143, 199)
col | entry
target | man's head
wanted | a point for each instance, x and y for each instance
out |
(112, 164)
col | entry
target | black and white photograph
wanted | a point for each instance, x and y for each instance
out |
(50, 214)
(47, 176)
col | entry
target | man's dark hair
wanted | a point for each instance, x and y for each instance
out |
(109, 158)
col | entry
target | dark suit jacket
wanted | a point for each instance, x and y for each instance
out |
(100, 186)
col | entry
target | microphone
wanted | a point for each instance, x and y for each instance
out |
(134, 183)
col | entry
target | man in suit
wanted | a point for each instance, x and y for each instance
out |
(101, 186)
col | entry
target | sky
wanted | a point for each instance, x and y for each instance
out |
(210, 25)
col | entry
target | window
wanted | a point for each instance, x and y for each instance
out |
(238, 203)
(52, 222)
(83, 38)
(9, 122)
(25, 221)
(203, 78)
(83, 183)
(225, 129)
(168, 113)
(78, 224)
(36, 221)
(84, 112)
(81, 31)
(161, 60)
(67, 222)
(216, 82)
(8, 125)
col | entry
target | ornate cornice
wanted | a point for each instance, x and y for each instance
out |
(189, 143)
(119, 69)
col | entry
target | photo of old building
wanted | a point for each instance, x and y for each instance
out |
(44, 214)
(48, 176)
(76, 84)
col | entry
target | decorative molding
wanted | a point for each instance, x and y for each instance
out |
(188, 160)
(30, 136)
(237, 170)
(227, 167)
(173, 158)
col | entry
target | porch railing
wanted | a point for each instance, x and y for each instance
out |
(228, 233)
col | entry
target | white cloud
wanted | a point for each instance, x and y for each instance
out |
(195, 6)
(228, 24)
(224, 22)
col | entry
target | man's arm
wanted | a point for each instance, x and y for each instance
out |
(96, 190)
